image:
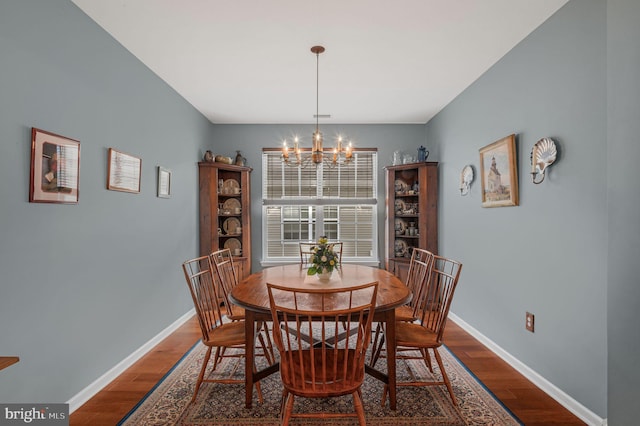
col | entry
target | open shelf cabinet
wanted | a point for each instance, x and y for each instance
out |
(411, 213)
(225, 212)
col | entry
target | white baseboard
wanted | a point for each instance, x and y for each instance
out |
(87, 393)
(582, 412)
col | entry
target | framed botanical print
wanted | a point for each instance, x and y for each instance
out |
(499, 173)
(55, 168)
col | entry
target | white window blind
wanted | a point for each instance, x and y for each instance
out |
(302, 204)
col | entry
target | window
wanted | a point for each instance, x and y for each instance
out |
(302, 204)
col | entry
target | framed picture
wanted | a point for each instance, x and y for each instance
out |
(55, 168)
(123, 172)
(499, 173)
(164, 182)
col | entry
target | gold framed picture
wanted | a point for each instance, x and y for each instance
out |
(55, 168)
(123, 172)
(499, 173)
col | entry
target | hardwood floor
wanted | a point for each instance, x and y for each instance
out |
(531, 405)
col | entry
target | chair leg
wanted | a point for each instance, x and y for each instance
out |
(444, 376)
(218, 356)
(385, 389)
(265, 350)
(265, 342)
(288, 409)
(258, 388)
(378, 345)
(270, 344)
(357, 403)
(427, 359)
(201, 375)
(283, 401)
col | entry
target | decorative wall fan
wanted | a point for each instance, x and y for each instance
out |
(543, 155)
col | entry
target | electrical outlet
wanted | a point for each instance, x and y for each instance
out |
(529, 321)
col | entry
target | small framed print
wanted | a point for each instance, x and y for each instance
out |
(499, 173)
(55, 168)
(123, 172)
(164, 182)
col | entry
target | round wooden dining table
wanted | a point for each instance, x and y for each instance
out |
(251, 294)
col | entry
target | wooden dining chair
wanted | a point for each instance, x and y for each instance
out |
(415, 339)
(222, 261)
(215, 332)
(337, 248)
(327, 368)
(418, 276)
(420, 268)
(306, 251)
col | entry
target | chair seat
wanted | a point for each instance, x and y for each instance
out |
(405, 313)
(228, 334)
(238, 313)
(311, 384)
(415, 335)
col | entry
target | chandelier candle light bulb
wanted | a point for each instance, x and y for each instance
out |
(296, 148)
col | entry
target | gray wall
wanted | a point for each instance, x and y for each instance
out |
(623, 202)
(250, 139)
(83, 286)
(547, 256)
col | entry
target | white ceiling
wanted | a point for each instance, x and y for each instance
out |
(249, 61)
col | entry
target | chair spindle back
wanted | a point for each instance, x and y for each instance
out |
(436, 297)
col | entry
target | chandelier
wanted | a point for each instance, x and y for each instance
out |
(341, 154)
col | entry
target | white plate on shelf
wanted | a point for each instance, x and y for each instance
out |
(231, 225)
(229, 186)
(401, 186)
(232, 244)
(401, 248)
(400, 205)
(401, 225)
(231, 204)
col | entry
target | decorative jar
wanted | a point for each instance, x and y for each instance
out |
(325, 275)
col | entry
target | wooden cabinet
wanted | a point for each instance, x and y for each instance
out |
(412, 213)
(225, 212)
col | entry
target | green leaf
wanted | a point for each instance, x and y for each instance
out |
(312, 270)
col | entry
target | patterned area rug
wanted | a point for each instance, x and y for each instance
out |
(223, 404)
